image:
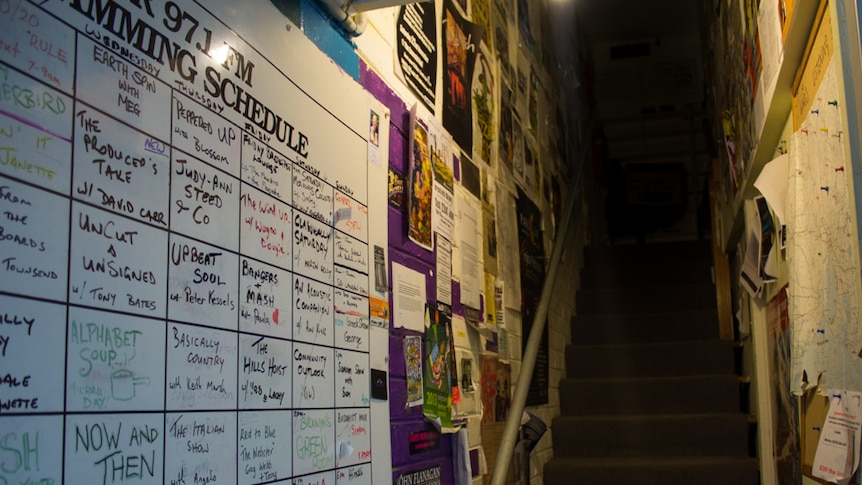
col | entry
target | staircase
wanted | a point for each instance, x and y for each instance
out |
(651, 396)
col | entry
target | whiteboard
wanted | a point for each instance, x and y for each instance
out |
(186, 236)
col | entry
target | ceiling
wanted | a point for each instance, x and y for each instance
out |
(649, 103)
(623, 20)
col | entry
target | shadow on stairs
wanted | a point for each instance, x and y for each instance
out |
(651, 395)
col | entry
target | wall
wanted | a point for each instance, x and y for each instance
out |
(376, 47)
(781, 82)
(197, 201)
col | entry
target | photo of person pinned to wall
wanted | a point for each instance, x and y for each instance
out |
(374, 128)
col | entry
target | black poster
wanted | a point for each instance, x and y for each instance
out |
(460, 46)
(532, 279)
(416, 40)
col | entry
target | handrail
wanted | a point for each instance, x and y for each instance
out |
(528, 360)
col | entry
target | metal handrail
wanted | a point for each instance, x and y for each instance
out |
(528, 360)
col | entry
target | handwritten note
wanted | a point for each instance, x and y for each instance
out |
(312, 376)
(265, 373)
(313, 312)
(200, 447)
(26, 330)
(203, 284)
(264, 441)
(201, 368)
(36, 445)
(34, 242)
(265, 230)
(112, 448)
(204, 200)
(115, 362)
(265, 299)
(111, 266)
(352, 437)
(112, 84)
(314, 441)
(352, 379)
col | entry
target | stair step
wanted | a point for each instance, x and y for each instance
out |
(653, 471)
(627, 254)
(654, 299)
(646, 274)
(718, 434)
(650, 360)
(663, 327)
(654, 395)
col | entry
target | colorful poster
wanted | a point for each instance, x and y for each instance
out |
(416, 49)
(483, 93)
(413, 362)
(421, 185)
(438, 364)
(786, 444)
(532, 280)
(460, 45)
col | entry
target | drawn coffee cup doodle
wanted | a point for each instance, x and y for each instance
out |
(123, 383)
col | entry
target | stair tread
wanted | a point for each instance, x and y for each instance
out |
(657, 417)
(650, 394)
(629, 461)
(650, 379)
(647, 345)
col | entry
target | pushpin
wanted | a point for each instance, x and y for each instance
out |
(821, 331)
(815, 111)
(839, 169)
(804, 131)
(832, 103)
(824, 129)
(838, 135)
(826, 188)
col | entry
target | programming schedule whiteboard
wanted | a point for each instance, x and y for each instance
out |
(185, 247)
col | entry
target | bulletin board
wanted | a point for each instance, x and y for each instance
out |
(187, 236)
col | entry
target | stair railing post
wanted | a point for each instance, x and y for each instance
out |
(528, 360)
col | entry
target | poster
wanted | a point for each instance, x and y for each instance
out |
(416, 50)
(786, 437)
(443, 255)
(421, 184)
(532, 278)
(483, 95)
(438, 364)
(489, 388)
(518, 156)
(506, 150)
(442, 195)
(413, 361)
(460, 46)
(469, 244)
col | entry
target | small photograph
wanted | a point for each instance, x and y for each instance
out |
(467, 375)
(374, 128)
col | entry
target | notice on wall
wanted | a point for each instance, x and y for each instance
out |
(532, 279)
(416, 50)
(185, 269)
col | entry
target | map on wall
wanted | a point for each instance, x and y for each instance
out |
(821, 248)
(185, 252)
